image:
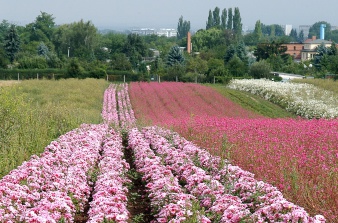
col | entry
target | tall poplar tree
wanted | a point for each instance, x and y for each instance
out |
(230, 19)
(210, 21)
(258, 30)
(237, 22)
(216, 17)
(224, 19)
(183, 28)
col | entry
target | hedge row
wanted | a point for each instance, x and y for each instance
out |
(25, 74)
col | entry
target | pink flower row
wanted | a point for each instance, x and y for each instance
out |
(219, 205)
(125, 112)
(168, 200)
(264, 201)
(109, 109)
(110, 193)
(54, 186)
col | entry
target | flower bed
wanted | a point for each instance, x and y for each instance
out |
(304, 100)
(54, 186)
(110, 191)
(259, 200)
(169, 202)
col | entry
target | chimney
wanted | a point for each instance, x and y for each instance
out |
(314, 38)
(189, 42)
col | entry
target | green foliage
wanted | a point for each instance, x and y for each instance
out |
(268, 49)
(224, 19)
(230, 19)
(315, 30)
(12, 43)
(4, 27)
(3, 58)
(260, 69)
(183, 28)
(175, 57)
(204, 40)
(236, 67)
(238, 50)
(36, 62)
(237, 22)
(119, 61)
(74, 69)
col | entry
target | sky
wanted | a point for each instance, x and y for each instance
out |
(128, 14)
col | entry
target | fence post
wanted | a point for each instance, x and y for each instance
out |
(18, 76)
(124, 78)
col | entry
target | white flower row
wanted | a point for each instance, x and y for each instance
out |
(305, 100)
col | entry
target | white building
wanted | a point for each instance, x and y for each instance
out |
(167, 32)
(287, 29)
(158, 32)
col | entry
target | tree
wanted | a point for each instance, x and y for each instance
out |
(175, 56)
(216, 17)
(120, 62)
(183, 28)
(237, 22)
(322, 51)
(301, 37)
(204, 40)
(266, 50)
(12, 43)
(197, 65)
(237, 50)
(135, 49)
(43, 50)
(258, 34)
(236, 67)
(224, 19)
(45, 23)
(210, 21)
(4, 27)
(260, 69)
(230, 53)
(294, 35)
(230, 19)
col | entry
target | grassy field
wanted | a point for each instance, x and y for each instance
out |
(253, 103)
(35, 112)
(327, 84)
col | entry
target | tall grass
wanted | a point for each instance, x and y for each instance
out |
(253, 102)
(35, 112)
(327, 84)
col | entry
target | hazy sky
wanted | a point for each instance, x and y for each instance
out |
(126, 14)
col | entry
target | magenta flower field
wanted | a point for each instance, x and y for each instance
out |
(90, 173)
(298, 156)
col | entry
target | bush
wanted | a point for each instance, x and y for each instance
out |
(260, 69)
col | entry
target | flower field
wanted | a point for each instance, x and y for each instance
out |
(84, 175)
(305, 100)
(298, 156)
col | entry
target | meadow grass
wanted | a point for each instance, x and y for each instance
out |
(8, 83)
(327, 84)
(35, 112)
(253, 102)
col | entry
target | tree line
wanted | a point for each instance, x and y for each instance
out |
(219, 52)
